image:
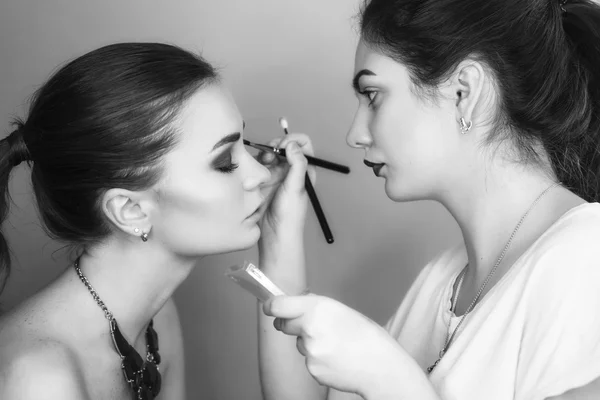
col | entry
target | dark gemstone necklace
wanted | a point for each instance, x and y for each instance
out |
(143, 376)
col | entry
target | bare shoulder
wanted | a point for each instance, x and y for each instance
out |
(43, 370)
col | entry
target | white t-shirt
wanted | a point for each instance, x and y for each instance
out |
(536, 333)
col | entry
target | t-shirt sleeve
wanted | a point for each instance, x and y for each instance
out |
(560, 347)
(424, 278)
(395, 322)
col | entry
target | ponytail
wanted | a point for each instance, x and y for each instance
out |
(13, 151)
(581, 23)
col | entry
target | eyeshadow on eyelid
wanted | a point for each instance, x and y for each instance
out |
(223, 158)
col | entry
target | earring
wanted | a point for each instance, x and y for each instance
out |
(144, 237)
(465, 126)
(137, 230)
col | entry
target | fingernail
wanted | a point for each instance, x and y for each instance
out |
(267, 307)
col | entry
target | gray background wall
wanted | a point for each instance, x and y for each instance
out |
(279, 57)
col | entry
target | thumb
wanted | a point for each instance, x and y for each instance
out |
(287, 307)
(294, 180)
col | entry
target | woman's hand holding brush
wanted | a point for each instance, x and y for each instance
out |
(285, 192)
(276, 147)
(281, 246)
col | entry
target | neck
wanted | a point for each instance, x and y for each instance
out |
(134, 280)
(490, 205)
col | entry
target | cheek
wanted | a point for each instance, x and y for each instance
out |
(204, 219)
(187, 207)
(393, 131)
(411, 140)
(385, 126)
(408, 132)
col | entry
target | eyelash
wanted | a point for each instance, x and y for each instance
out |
(368, 93)
(229, 168)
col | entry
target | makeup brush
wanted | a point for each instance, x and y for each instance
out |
(317, 162)
(312, 195)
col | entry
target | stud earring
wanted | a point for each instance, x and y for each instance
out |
(465, 126)
(137, 230)
(144, 237)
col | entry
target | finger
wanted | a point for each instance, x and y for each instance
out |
(288, 307)
(266, 157)
(312, 173)
(266, 306)
(303, 141)
(306, 146)
(294, 181)
(276, 142)
(292, 327)
(269, 158)
(300, 346)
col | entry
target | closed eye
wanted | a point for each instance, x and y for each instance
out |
(224, 163)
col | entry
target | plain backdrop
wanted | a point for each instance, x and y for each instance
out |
(290, 58)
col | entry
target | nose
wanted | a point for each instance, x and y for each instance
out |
(258, 175)
(358, 135)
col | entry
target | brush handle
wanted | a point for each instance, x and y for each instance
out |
(312, 195)
(318, 162)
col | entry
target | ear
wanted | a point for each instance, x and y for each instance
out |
(127, 210)
(468, 84)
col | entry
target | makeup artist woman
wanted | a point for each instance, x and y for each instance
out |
(491, 108)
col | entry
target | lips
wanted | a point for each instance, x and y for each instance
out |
(256, 211)
(376, 167)
(253, 213)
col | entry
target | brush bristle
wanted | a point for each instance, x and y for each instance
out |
(283, 122)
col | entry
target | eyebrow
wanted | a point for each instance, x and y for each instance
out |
(359, 75)
(231, 138)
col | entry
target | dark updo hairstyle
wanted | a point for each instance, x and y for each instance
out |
(102, 121)
(545, 58)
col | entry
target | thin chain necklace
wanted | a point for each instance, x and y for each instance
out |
(450, 337)
(142, 376)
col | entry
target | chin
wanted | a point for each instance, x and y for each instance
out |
(249, 239)
(236, 241)
(400, 193)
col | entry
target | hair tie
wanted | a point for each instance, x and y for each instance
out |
(17, 147)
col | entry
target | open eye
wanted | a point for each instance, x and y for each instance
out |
(370, 94)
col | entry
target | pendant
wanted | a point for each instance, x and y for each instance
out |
(144, 393)
(430, 369)
(143, 376)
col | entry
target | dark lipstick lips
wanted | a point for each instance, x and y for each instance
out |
(376, 167)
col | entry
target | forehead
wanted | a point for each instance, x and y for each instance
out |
(367, 57)
(386, 71)
(207, 116)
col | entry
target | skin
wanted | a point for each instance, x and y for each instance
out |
(425, 156)
(57, 344)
